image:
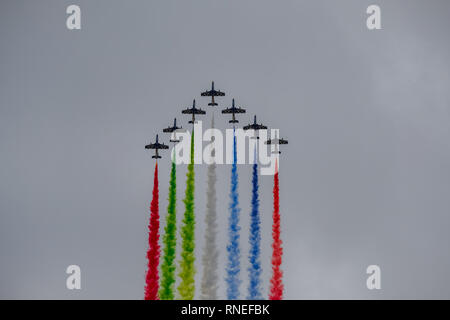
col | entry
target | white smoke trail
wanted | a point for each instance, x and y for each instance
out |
(209, 282)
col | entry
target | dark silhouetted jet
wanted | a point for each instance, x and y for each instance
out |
(212, 93)
(156, 146)
(172, 130)
(193, 111)
(233, 110)
(255, 126)
(277, 142)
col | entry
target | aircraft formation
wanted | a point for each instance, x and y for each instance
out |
(193, 111)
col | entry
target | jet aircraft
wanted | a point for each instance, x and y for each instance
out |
(212, 93)
(193, 110)
(233, 110)
(156, 146)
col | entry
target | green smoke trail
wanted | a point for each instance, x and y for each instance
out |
(170, 240)
(186, 287)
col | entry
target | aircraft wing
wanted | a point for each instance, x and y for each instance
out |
(187, 111)
(160, 146)
(156, 146)
(227, 110)
(212, 93)
(199, 111)
(239, 110)
(277, 141)
(255, 127)
(206, 94)
(169, 129)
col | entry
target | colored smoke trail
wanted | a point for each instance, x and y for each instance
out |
(151, 280)
(210, 255)
(170, 241)
(233, 266)
(254, 288)
(186, 288)
(276, 283)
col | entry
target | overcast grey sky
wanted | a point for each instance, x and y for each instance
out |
(364, 180)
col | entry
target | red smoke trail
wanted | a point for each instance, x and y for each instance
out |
(152, 278)
(276, 283)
